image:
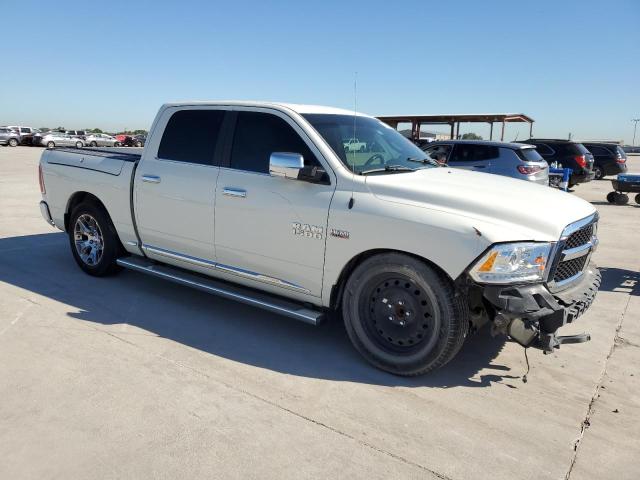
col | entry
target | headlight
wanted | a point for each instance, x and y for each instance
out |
(512, 263)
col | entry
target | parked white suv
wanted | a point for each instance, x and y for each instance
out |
(268, 208)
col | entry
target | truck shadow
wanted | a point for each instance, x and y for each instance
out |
(42, 264)
(620, 280)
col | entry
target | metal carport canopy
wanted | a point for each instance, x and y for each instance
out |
(453, 119)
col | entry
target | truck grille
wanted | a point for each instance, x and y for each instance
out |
(575, 252)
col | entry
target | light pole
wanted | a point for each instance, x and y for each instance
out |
(635, 126)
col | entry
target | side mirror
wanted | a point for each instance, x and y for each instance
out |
(286, 165)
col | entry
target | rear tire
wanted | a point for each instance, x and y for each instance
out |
(599, 173)
(402, 315)
(94, 241)
(13, 142)
(51, 145)
(79, 145)
(138, 144)
(637, 199)
(611, 197)
(93, 144)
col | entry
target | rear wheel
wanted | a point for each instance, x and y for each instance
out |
(94, 241)
(611, 197)
(13, 142)
(116, 144)
(138, 144)
(599, 173)
(402, 315)
(50, 145)
(637, 199)
(93, 144)
(78, 144)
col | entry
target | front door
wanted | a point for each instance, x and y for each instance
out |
(271, 231)
(175, 189)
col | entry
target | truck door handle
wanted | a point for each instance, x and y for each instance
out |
(234, 192)
(151, 178)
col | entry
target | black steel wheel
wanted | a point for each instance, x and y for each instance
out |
(402, 315)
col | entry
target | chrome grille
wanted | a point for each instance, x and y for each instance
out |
(579, 238)
(575, 246)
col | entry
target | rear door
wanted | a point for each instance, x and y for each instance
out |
(175, 187)
(471, 156)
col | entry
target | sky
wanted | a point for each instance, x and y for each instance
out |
(574, 66)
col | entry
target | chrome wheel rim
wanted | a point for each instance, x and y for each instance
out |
(88, 240)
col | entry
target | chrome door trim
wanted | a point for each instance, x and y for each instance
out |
(261, 278)
(234, 192)
(240, 272)
(200, 262)
(151, 178)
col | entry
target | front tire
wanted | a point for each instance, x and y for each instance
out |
(79, 145)
(51, 145)
(93, 144)
(94, 241)
(13, 142)
(402, 315)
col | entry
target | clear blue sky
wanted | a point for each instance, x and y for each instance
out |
(574, 66)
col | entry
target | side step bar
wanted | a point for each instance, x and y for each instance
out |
(223, 289)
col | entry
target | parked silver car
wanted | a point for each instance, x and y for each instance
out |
(517, 160)
(101, 140)
(57, 139)
(10, 137)
(25, 133)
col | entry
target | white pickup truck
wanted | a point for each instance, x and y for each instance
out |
(260, 203)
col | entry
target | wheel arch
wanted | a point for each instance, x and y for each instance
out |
(338, 288)
(76, 199)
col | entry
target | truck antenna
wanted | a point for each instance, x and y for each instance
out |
(355, 114)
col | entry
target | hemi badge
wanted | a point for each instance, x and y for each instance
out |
(339, 233)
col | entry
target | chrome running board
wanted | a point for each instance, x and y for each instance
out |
(224, 289)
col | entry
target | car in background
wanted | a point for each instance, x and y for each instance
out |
(135, 141)
(25, 133)
(608, 158)
(567, 154)
(100, 140)
(57, 139)
(78, 133)
(10, 137)
(631, 149)
(514, 160)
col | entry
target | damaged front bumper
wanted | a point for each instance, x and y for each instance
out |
(532, 314)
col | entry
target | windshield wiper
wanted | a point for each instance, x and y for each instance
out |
(388, 168)
(424, 160)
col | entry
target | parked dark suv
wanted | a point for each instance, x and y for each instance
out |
(609, 158)
(568, 154)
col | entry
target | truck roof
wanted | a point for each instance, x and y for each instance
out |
(298, 108)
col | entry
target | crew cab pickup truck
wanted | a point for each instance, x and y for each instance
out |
(268, 208)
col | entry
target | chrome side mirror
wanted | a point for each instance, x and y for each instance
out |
(286, 165)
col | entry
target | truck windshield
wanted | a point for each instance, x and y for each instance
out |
(366, 145)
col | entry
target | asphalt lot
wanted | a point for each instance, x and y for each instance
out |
(131, 377)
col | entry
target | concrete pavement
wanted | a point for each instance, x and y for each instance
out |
(131, 377)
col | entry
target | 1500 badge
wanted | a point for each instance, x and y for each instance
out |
(308, 231)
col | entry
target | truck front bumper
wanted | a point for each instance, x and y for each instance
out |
(531, 314)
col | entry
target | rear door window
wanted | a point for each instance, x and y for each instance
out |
(474, 153)
(596, 150)
(440, 153)
(191, 136)
(544, 149)
(258, 135)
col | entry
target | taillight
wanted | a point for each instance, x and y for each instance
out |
(529, 169)
(41, 178)
(620, 158)
(581, 160)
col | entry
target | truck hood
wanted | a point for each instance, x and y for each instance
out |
(521, 210)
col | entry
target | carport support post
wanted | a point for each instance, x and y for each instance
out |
(530, 129)
(458, 131)
(452, 126)
(491, 131)
(502, 134)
